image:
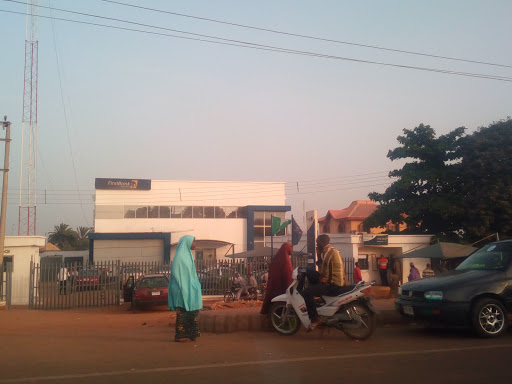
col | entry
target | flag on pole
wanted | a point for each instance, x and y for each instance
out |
(277, 226)
(296, 232)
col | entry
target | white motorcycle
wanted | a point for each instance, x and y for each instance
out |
(350, 311)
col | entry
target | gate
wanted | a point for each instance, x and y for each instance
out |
(54, 285)
(6, 284)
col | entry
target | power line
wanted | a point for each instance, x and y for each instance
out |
(66, 120)
(306, 36)
(283, 50)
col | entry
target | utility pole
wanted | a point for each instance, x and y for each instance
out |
(7, 126)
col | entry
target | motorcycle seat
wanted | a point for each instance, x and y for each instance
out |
(337, 291)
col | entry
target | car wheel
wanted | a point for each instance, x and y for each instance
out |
(489, 318)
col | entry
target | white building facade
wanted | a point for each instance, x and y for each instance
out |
(20, 251)
(143, 220)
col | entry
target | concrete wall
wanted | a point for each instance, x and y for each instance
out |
(23, 249)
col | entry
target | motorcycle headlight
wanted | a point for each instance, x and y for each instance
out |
(434, 295)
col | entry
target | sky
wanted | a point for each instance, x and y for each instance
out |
(124, 104)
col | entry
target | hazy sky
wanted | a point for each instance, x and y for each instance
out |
(158, 107)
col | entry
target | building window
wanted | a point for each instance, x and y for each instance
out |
(153, 212)
(341, 228)
(197, 212)
(165, 212)
(176, 212)
(129, 212)
(209, 212)
(186, 213)
(141, 213)
(325, 229)
(109, 212)
(220, 213)
(263, 227)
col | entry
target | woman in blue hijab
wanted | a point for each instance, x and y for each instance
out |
(185, 291)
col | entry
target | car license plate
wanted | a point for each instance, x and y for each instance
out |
(408, 310)
(156, 293)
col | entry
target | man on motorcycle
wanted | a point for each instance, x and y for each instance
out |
(332, 277)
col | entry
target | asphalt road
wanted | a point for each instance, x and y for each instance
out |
(133, 353)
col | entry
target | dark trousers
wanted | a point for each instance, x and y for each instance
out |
(62, 287)
(384, 276)
(309, 294)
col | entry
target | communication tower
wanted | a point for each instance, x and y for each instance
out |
(28, 166)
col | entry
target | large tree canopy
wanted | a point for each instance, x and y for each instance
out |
(452, 185)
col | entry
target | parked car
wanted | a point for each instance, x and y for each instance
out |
(88, 279)
(477, 293)
(128, 271)
(146, 290)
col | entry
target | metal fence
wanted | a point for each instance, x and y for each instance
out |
(62, 286)
(6, 283)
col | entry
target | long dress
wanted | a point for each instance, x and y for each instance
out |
(279, 276)
(185, 291)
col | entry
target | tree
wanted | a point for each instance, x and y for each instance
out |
(63, 237)
(83, 240)
(424, 195)
(486, 181)
(454, 186)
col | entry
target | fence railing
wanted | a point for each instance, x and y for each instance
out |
(6, 284)
(62, 286)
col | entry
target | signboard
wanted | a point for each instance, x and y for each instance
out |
(123, 184)
(312, 231)
(377, 240)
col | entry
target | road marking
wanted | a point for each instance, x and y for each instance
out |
(252, 363)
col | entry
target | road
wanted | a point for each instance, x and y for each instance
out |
(78, 347)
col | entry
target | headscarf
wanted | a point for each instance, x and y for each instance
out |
(184, 286)
(279, 276)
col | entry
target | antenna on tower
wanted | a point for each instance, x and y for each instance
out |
(28, 169)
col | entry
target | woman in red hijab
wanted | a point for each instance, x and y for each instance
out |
(279, 276)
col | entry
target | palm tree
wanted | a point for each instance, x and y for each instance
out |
(63, 237)
(83, 232)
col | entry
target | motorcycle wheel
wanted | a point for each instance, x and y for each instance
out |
(369, 322)
(229, 297)
(284, 319)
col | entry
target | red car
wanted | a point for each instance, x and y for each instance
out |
(87, 279)
(146, 290)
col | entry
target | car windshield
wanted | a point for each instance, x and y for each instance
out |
(494, 256)
(154, 282)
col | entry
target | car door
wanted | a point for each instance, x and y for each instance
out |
(128, 289)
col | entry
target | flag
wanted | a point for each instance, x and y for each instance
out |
(277, 226)
(296, 232)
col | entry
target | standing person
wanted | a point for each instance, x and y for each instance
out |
(357, 274)
(185, 291)
(253, 285)
(73, 275)
(332, 277)
(62, 276)
(383, 270)
(414, 274)
(428, 271)
(279, 276)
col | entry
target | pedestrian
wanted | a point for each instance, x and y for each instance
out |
(253, 285)
(62, 277)
(279, 276)
(383, 270)
(73, 277)
(414, 274)
(428, 271)
(185, 291)
(357, 274)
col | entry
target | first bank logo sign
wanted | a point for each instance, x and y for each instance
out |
(123, 184)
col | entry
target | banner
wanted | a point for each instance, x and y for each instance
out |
(296, 232)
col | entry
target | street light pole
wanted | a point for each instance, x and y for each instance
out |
(7, 126)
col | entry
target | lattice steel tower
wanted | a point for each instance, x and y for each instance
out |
(28, 168)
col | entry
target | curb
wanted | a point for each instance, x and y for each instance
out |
(250, 320)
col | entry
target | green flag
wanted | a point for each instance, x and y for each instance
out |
(277, 226)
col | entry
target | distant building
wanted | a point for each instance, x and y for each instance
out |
(143, 220)
(350, 220)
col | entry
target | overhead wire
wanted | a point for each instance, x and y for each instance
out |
(305, 36)
(66, 121)
(270, 48)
